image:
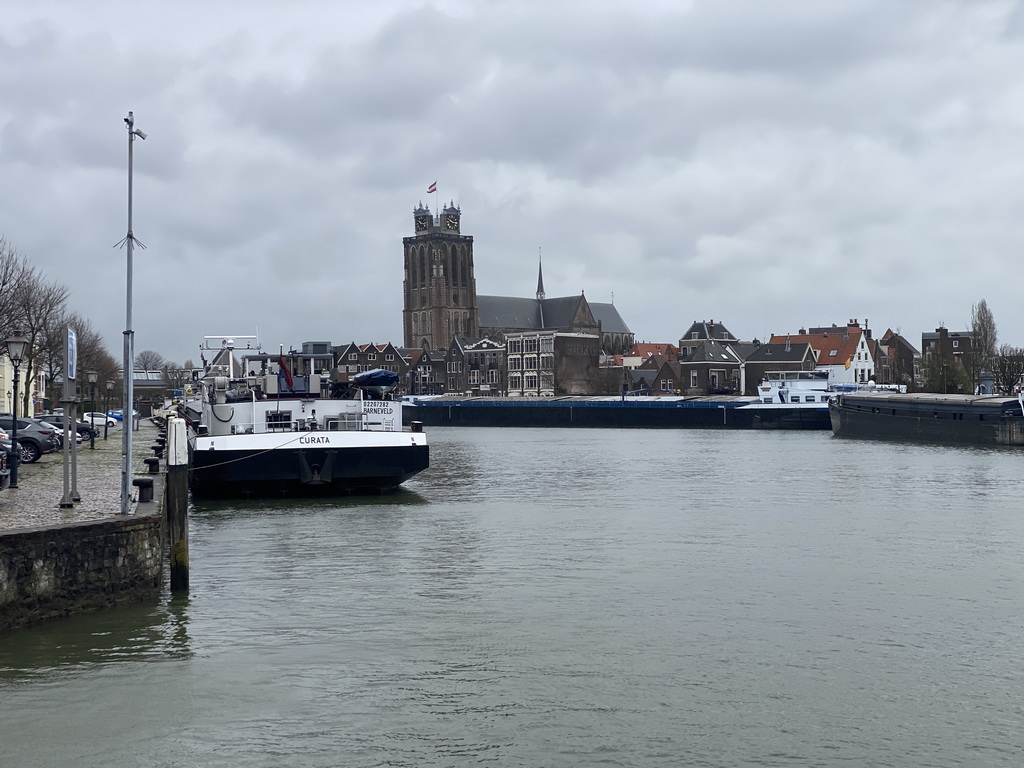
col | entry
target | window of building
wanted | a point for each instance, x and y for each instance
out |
(695, 335)
(530, 381)
(547, 344)
(666, 385)
(353, 356)
(371, 356)
(389, 357)
(693, 379)
(530, 344)
(547, 362)
(515, 363)
(515, 346)
(474, 377)
(492, 376)
(530, 363)
(515, 381)
(956, 343)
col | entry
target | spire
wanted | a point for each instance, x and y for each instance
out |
(540, 277)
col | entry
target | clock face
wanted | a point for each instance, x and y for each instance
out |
(452, 222)
(422, 223)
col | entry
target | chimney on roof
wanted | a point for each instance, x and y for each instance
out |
(787, 343)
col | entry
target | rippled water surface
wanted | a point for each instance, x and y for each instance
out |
(569, 598)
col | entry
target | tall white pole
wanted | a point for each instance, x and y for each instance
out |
(127, 422)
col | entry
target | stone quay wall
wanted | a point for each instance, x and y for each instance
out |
(58, 570)
(55, 561)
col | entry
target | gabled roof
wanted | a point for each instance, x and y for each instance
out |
(712, 351)
(708, 330)
(609, 318)
(834, 347)
(645, 349)
(890, 337)
(560, 312)
(545, 314)
(485, 343)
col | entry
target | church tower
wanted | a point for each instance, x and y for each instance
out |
(440, 286)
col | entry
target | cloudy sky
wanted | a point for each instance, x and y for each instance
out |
(767, 165)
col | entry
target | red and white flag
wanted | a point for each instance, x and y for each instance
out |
(432, 188)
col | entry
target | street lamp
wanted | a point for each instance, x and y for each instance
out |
(106, 410)
(129, 337)
(16, 346)
(93, 377)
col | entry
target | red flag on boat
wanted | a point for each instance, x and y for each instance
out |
(432, 188)
(283, 363)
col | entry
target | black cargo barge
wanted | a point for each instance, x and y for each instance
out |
(642, 412)
(952, 419)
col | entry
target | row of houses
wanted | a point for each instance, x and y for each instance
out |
(707, 360)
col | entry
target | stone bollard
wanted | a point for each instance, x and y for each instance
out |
(145, 486)
(154, 465)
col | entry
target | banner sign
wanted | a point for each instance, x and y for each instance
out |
(72, 354)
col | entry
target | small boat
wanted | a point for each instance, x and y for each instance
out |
(800, 399)
(991, 420)
(291, 424)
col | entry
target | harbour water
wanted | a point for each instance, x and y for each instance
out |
(569, 598)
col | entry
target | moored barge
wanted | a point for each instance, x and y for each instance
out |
(955, 419)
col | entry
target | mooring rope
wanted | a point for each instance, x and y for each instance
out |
(250, 456)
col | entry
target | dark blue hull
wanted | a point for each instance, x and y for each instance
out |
(328, 471)
(652, 414)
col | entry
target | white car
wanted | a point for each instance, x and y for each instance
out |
(97, 419)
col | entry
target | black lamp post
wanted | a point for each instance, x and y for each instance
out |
(16, 346)
(106, 411)
(93, 376)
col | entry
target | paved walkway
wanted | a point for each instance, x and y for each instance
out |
(36, 501)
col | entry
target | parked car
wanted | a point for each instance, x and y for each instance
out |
(99, 419)
(83, 428)
(118, 413)
(35, 437)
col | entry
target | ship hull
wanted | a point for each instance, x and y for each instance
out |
(948, 419)
(342, 464)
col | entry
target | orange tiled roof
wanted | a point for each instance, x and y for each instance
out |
(843, 340)
(644, 349)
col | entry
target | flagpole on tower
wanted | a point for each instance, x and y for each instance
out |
(431, 190)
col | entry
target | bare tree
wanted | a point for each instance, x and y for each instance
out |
(983, 341)
(1008, 367)
(148, 360)
(41, 306)
(14, 270)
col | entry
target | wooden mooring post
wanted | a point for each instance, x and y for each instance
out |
(177, 502)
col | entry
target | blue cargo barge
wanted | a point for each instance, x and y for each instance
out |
(645, 412)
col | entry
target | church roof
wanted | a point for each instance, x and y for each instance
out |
(609, 318)
(508, 312)
(538, 314)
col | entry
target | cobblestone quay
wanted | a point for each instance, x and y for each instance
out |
(55, 561)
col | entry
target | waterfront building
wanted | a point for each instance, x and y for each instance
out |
(843, 351)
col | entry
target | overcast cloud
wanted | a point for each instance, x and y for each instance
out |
(768, 165)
